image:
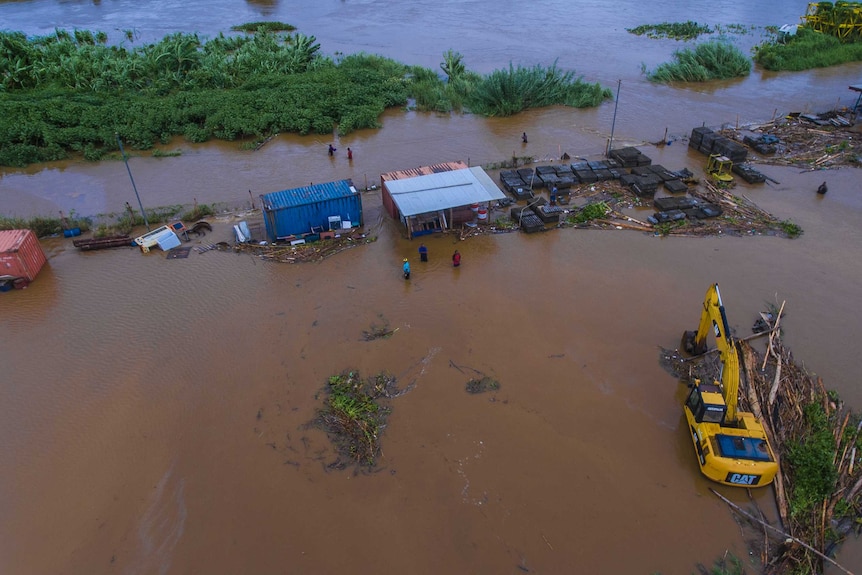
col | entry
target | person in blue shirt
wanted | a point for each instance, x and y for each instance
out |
(406, 269)
(423, 253)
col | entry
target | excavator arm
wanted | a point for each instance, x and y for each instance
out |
(714, 320)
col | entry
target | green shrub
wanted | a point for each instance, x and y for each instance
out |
(507, 92)
(589, 212)
(264, 27)
(676, 30)
(714, 60)
(805, 50)
(792, 229)
(71, 93)
(812, 458)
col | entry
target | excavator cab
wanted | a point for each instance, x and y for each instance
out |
(719, 168)
(706, 403)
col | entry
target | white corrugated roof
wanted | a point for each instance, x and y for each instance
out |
(443, 190)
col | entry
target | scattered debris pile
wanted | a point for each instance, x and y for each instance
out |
(353, 415)
(307, 252)
(821, 141)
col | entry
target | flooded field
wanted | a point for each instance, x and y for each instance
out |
(155, 414)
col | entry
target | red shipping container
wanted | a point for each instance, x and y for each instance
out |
(21, 255)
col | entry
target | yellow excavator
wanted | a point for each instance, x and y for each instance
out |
(731, 445)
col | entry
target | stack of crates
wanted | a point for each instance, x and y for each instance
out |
(708, 142)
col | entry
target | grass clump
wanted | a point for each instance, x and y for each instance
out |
(264, 27)
(352, 416)
(507, 92)
(44, 226)
(811, 458)
(198, 212)
(675, 30)
(714, 60)
(481, 385)
(590, 212)
(503, 92)
(664, 229)
(792, 229)
(167, 153)
(805, 50)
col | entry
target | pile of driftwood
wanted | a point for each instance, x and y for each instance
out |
(309, 252)
(782, 394)
(804, 144)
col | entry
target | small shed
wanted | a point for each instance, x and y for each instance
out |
(21, 257)
(441, 200)
(312, 209)
(389, 203)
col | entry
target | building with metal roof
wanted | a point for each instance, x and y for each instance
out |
(311, 209)
(439, 200)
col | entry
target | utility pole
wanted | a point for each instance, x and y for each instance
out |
(614, 122)
(126, 160)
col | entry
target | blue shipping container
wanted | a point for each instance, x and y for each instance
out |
(310, 209)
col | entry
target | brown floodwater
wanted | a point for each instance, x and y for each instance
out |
(155, 412)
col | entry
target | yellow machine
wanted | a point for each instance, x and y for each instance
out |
(731, 445)
(719, 167)
(841, 19)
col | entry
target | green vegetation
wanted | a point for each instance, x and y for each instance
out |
(665, 228)
(793, 230)
(503, 92)
(812, 460)
(198, 212)
(507, 92)
(590, 212)
(806, 49)
(264, 27)
(505, 223)
(674, 30)
(42, 226)
(730, 564)
(71, 93)
(167, 153)
(352, 417)
(734, 28)
(713, 60)
(481, 385)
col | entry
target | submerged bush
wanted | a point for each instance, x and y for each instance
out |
(675, 30)
(507, 92)
(714, 60)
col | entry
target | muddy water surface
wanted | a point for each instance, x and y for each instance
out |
(155, 412)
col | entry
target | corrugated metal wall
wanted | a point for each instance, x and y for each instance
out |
(388, 202)
(21, 254)
(296, 220)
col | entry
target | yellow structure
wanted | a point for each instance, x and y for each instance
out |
(731, 446)
(718, 167)
(841, 19)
